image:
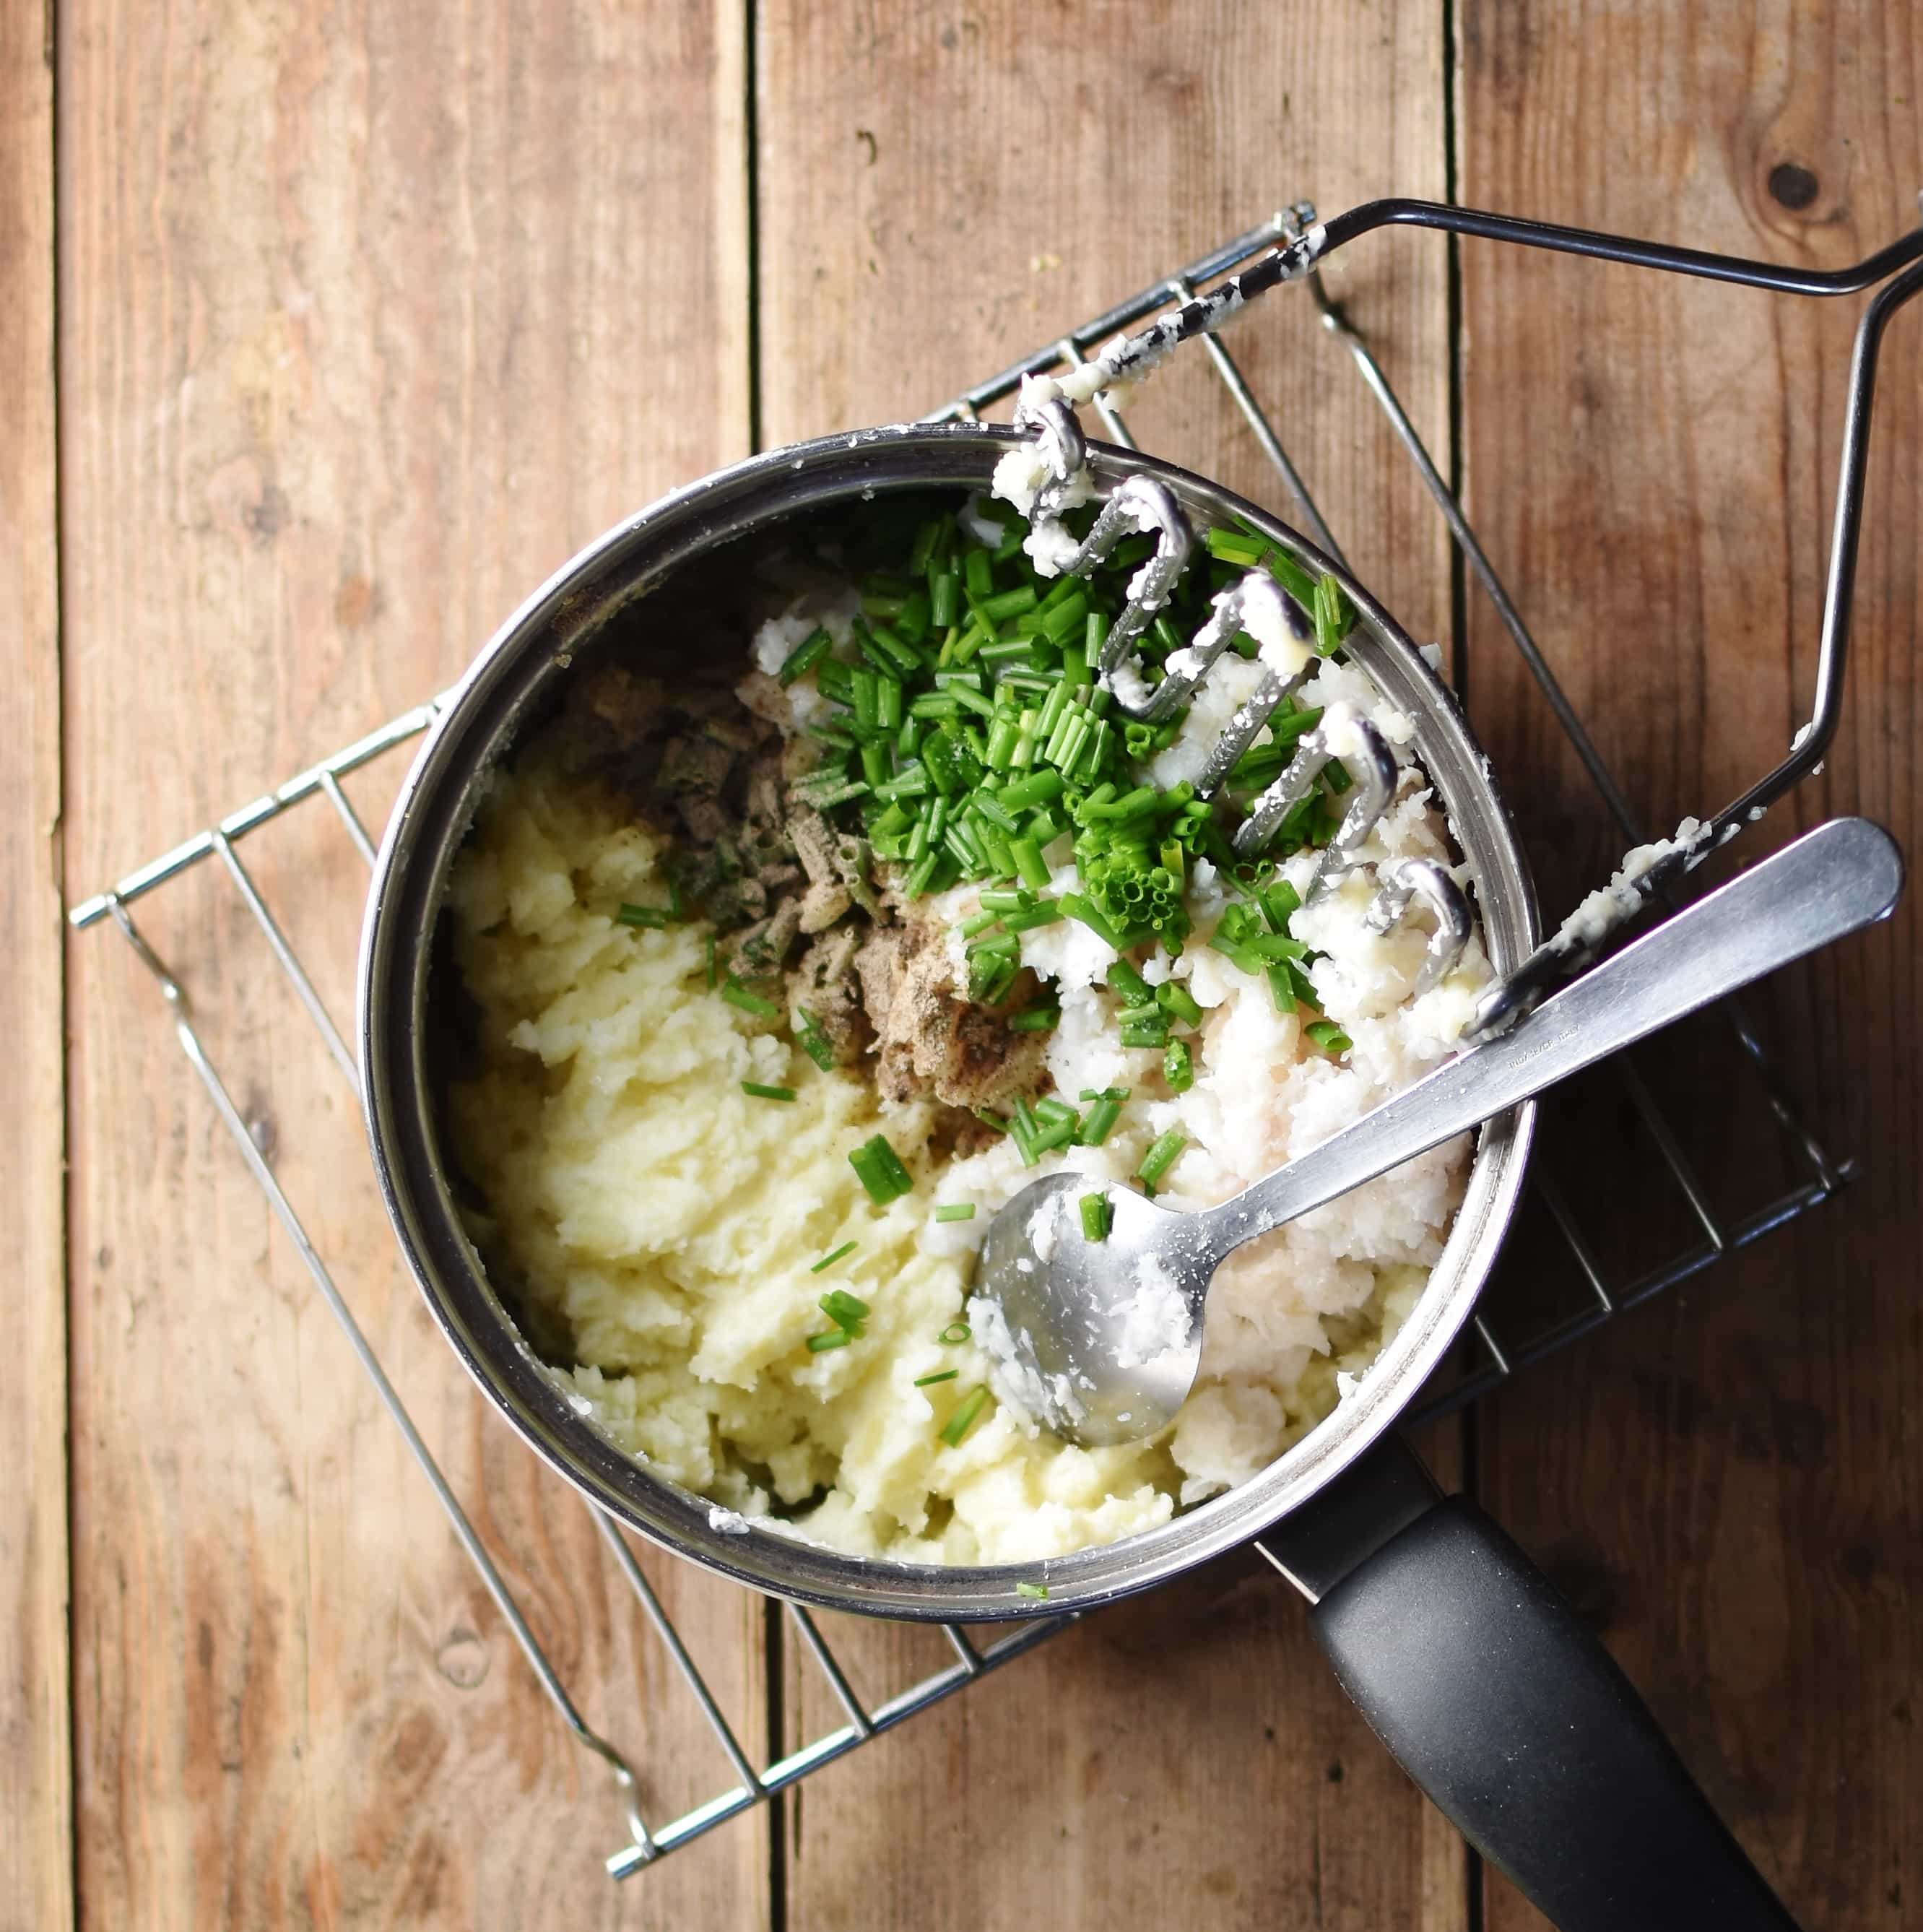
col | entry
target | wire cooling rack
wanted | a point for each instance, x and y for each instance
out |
(1654, 1157)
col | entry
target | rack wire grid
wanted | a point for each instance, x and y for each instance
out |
(1495, 1354)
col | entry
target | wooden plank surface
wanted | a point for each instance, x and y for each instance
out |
(367, 321)
(1729, 1480)
(364, 326)
(941, 193)
(36, 1859)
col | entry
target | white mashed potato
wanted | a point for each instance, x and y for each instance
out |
(661, 1226)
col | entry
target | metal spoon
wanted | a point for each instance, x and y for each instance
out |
(1103, 1340)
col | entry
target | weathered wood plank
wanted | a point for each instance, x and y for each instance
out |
(1732, 1481)
(367, 322)
(940, 192)
(36, 1817)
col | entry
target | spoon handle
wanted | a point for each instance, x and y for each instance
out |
(1842, 876)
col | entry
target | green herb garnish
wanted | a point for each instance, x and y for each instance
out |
(1036, 1019)
(879, 1169)
(1102, 1115)
(654, 918)
(1333, 614)
(1098, 1217)
(955, 1334)
(1036, 1593)
(737, 995)
(831, 1338)
(1328, 1036)
(963, 1420)
(805, 656)
(1161, 1156)
(828, 1260)
(845, 1310)
(758, 1091)
(940, 1376)
(955, 1210)
(812, 1041)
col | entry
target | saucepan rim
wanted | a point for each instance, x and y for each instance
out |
(509, 684)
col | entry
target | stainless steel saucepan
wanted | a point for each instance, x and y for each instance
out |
(1476, 1675)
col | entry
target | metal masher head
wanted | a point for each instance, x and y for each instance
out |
(1256, 605)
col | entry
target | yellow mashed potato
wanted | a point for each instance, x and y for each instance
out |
(671, 1221)
(658, 1227)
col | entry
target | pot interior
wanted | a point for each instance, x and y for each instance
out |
(687, 554)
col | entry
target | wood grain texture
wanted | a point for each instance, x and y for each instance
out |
(941, 192)
(368, 320)
(1733, 1481)
(36, 1860)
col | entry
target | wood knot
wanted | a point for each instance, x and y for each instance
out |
(1794, 187)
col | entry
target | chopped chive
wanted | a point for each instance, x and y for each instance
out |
(963, 1420)
(805, 656)
(1102, 1115)
(1036, 1593)
(1173, 997)
(1030, 865)
(1036, 1019)
(828, 1260)
(1232, 547)
(1146, 1026)
(1178, 1066)
(812, 1041)
(758, 1091)
(653, 917)
(1334, 615)
(879, 1169)
(1127, 982)
(1037, 788)
(831, 1338)
(845, 1310)
(822, 801)
(940, 1376)
(944, 598)
(1161, 1156)
(1279, 902)
(1292, 577)
(1044, 914)
(1013, 603)
(955, 1210)
(992, 810)
(954, 1335)
(1328, 1036)
(737, 995)
(1098, 1217)
(1078, 907)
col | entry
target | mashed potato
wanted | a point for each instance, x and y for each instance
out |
(660, 1228)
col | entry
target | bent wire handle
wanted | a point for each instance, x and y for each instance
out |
(1832, 881)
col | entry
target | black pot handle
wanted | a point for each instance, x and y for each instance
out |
(1502, 1706)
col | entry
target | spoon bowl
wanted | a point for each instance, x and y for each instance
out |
(1099, 1339)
